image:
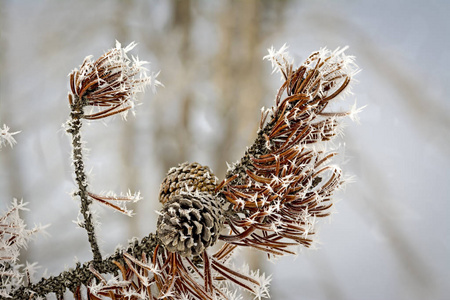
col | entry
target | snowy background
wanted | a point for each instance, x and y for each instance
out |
(390, 235)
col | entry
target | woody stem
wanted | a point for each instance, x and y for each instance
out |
(72, 279)
(80, 176)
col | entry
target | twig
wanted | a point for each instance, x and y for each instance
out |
(80, 176)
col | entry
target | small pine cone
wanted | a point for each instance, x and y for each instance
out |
(189, 223)
(187, 177)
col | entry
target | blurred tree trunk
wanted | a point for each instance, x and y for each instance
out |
(128, 144)
(177, 129)
(238, 78)
(182, 23)
(240, 84)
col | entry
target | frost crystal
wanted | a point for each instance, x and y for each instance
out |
(14, 236)
(281, 61)
(6, 137)
(117, 202)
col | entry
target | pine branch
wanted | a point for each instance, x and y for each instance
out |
(274, 194)
(285, 180)
(74, 278)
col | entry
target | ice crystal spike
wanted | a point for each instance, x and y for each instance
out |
(6, 137)
(14, 236)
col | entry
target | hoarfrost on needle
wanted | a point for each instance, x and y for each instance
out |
(280, 59)
(109, 85)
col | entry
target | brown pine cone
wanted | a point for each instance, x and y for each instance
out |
(187, 177)
(189, 223)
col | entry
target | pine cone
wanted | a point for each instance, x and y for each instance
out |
(187, 177)
(189, 223)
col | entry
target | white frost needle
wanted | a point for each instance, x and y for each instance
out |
(6, 137)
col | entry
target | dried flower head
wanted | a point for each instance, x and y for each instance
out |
(110, 83)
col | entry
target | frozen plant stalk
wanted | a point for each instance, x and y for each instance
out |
(107, 86)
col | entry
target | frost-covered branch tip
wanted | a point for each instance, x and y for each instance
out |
(286, 180)
(280, 59)
(109, 85)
